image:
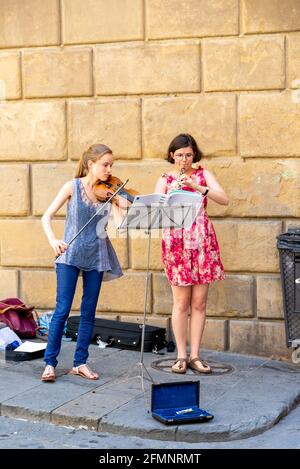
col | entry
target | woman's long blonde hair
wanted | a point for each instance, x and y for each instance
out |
(93, 153)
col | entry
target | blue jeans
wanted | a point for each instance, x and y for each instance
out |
(67, 276)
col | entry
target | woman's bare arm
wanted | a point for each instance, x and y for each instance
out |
(216, 191)
(161, 186)
(63, 195)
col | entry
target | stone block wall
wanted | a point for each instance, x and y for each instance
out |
(133, 74)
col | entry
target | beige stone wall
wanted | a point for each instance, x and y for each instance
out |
(133, 74)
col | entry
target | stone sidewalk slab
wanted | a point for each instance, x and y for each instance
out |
(247, 395)
(87, 410)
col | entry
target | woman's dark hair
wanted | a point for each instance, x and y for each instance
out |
(183, 141)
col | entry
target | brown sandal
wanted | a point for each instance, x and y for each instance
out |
(88, 373)
(181, 369)
(49, 374)
(206, 369)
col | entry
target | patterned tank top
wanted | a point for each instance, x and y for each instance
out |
(92, 249)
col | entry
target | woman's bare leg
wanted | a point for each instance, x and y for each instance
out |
(197, 320)
(181, 304)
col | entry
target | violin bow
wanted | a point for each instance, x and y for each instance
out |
(95, 214)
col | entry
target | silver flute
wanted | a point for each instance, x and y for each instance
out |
(179, 178)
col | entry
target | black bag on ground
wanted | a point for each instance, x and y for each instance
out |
(15, 356)
(123, 335)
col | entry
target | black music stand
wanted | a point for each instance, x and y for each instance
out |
(157, 211)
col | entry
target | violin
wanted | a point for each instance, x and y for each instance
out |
(103, 190)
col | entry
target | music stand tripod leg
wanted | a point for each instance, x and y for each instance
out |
(145, 311)
(141, 364)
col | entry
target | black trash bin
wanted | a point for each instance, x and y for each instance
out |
(288, 245)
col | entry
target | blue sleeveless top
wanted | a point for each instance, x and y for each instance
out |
(92, 249)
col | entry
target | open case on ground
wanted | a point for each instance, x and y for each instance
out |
(26, 351)
(178, 403)
(15, 356)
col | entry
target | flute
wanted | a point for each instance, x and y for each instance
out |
(179, 178)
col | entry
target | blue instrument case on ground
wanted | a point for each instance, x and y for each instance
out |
(177, 403)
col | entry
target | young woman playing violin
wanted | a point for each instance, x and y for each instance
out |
(91, 253)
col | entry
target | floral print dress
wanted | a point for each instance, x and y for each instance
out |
(191, 257)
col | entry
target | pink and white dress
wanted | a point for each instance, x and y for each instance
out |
(191, 257)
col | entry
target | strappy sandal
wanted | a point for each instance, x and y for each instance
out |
(182, 366)
(88, 373)
(49, 374)
(206, 369)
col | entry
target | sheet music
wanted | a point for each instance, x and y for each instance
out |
(178, 197)
(174, 210)
(151, 199)
(173, 198)
(28, 346)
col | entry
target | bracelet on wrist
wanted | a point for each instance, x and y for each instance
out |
(206, 191)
